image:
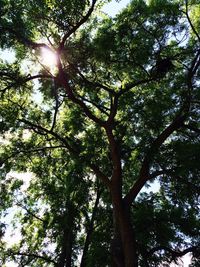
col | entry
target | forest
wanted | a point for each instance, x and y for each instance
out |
(99, 133)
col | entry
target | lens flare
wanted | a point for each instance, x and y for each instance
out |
(49, 58)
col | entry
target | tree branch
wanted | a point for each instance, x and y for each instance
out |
(99, 107)
(144, 175)
(57, 136)
(178, 122)
(21, 80)
(129, 86)
(157, 173)
(95, 84)
(63, 79)
(113, 112)
(190, 22)
(175, 253)
(116, 179)
(74, 151)
(29, 212)
(74, 28)
(26, 254)
(23, 39)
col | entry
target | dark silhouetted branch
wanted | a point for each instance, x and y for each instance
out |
(176, 253)
(74, 28)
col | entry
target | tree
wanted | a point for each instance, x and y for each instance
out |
(111, 118)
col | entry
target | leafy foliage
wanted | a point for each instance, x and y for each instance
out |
(109, 121)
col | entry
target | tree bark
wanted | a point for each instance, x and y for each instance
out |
(124, 240)
(65, 258)
(66, 253)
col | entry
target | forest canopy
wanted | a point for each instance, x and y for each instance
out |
(95, 112)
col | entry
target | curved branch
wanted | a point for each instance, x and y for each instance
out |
(37, 76)
(177, 123)
(75, 150)
(99, 107)
(33, 255)
(22, 39)
(129, 86)
(144, 175)
(175, 253)
(190, 22)
(30, 212)
(57, 136)
(63, 79)
(94, 84)
(22, 80)
(74, 28)
(158, 173)
(14, 154)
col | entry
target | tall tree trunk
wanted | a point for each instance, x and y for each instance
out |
(124, 235)
(65, 259)
(121, 212)
(66, 253)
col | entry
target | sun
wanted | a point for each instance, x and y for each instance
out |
(49, 58)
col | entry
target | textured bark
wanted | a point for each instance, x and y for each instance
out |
(125, 250)
(65, 258)
(66, 253)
